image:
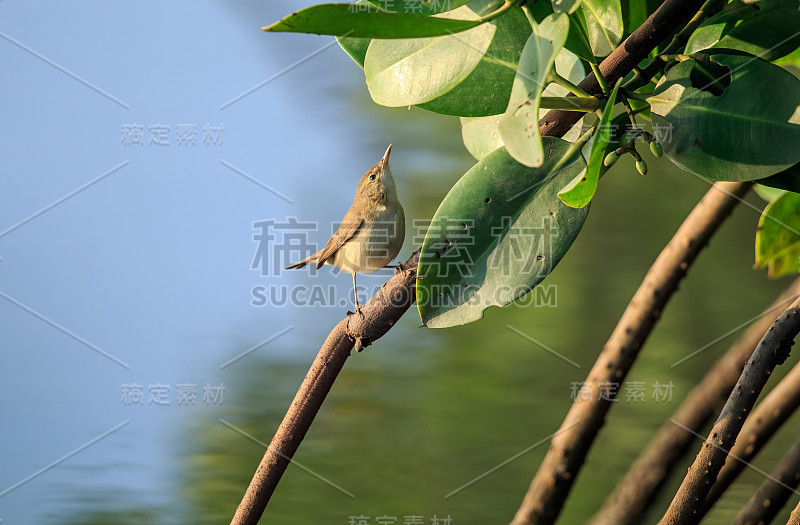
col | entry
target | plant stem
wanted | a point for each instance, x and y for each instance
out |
(583, 104)
(629, 109)
(497, 12)
(600, 79)
(557, 79)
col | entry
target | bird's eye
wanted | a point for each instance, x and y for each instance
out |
(372, 177)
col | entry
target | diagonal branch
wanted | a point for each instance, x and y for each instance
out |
(637, 490)
(773, 493)
(556, 475)
(768, 416)
(380, 313)
(773, 350)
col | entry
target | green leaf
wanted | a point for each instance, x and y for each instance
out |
(356, 48)
(788, 180)
(603, 24)
(749, 132)
(768, 29)
(469, 74)
(419, 7)
(578, 40)
(566, 6)
(785, 263)
(498, 233)
(352, 21)
(519, 126)
(792, 59)
(579, 192)
(480, 134)
(778, 234)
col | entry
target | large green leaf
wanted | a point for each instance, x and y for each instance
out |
(769, 30)
(357, 47)
(519, 126)
(419, 7)
(792, 59)
(579, 192)
(353, 21)
(603, 25)
(468, 74)
(749, 132)
(566, 6)
(498, 233)
(778, 236)
(480, 134)
(788, 180)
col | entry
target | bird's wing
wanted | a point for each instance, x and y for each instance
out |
(349, 227)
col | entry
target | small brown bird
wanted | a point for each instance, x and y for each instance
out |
(372, 231)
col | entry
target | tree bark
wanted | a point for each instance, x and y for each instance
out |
(643, 481)
(551, 485)
(380, 313)
(773, 350)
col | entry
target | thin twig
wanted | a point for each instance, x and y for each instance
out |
(641, 484)
(771, 351)
(768, 416)
(552, 483)
(774, 492)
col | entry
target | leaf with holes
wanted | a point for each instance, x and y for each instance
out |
(603, 25)
(519, 126)
(498, 233)
(779, 234)
(749, 132)
(579, 192)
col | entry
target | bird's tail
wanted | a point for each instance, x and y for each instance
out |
(300, 264)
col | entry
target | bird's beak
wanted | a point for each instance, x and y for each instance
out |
(385, 159)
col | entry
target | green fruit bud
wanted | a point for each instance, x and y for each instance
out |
(610, 159)
(656, 149)
(627, 139)
(641, 167)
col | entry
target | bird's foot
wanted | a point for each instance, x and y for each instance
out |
(399, 267)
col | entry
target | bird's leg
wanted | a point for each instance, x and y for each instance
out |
(355, 293)
(399, 267)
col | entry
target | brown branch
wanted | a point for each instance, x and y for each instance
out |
(638, 489)
(663, 22)
(771, 351)
(767, 418)
(557, 473)
(380, 313)
(794, 519)
(773, 493)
